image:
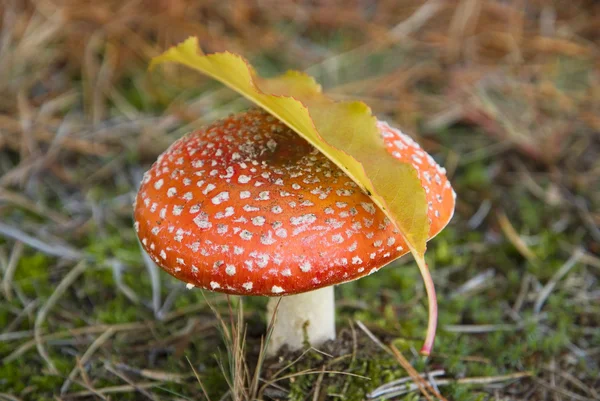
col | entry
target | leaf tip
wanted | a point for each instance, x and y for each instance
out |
(190, 45)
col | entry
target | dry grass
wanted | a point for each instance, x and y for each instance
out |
(505, 93)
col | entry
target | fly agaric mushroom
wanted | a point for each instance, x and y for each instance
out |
(246, 206)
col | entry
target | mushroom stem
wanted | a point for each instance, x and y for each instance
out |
(309, 316)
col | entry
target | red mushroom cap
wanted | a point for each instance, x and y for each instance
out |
(246, 206)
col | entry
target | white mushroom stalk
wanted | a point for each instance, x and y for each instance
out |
(300, 319)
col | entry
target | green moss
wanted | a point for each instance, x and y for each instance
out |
(378, 370)
(32, 275)
(115, 245)
(117, 310)
(42, 386)
(4, 316)
(475, 176)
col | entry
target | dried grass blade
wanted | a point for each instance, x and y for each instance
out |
(423, 384)
(43, 312)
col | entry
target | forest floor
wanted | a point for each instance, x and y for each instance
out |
(506, 97)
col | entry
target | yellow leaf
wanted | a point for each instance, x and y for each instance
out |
(345, 132)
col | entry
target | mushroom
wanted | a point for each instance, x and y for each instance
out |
(245, 206)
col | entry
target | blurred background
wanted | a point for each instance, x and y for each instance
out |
(504, 94)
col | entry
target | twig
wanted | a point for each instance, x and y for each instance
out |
(87, 385)
(113, 389)
(314, 372)
(514, 237)
(43, 312)
(35, 207)
(169, 301)
(372, 337)
(489, 328)
(74, 332)
(59, 250)
(417, 19)
(399, 384)
(431, 379)
(480, 215)
(423, 384)
(5, 396)
(587, 218)
(25, 312)
(117, 269)
(482, 279)
(137, 387)
(13, 262)
(318, 384)
(254, 390)
(198, 379)
(86, 381)
(590, 260)
(15, 335)
(545, 292)
(467, 358)
(395, 392)
(491, 379)
(522, 294)
(559, 390)
(354, 343)
(576, 382)
(292, 363)
(480, 328)
(86, 356)
(151, 374)
(154, 280)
